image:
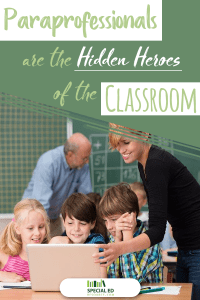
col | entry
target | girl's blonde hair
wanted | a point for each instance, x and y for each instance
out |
(10, 241)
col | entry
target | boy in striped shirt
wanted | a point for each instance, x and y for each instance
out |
(119, 209)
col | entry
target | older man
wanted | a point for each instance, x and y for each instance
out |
(59, 173)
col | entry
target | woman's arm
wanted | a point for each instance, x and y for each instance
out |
(156, 184)
(113, 250)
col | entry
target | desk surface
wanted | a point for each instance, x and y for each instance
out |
(14, 294)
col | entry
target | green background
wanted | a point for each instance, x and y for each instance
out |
(180, 39)
(31, 104)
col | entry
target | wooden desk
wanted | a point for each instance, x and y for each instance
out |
(170, 262)
(185, 292)
(14, 294)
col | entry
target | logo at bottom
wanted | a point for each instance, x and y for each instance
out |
(96, 287)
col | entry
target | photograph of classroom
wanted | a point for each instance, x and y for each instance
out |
(26, 135)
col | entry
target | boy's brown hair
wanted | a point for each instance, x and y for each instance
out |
(118, 199)
(95, 197)
(80, 207)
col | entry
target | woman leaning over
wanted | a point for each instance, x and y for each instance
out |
(173, 194)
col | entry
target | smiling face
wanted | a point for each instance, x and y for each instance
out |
(110, 223)
(32, 229)
(76, 230)
(131, 150)
(133, 145)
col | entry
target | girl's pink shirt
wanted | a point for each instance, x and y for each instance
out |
(16, 264)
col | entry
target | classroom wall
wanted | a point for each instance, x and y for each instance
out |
(24, 136)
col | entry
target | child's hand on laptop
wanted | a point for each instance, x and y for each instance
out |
(10, 277)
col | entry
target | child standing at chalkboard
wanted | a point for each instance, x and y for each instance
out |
(119, 209)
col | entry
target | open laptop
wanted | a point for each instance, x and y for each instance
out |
(52, 263)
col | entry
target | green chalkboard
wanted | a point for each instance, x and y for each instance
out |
(26, 134)
(108, 168)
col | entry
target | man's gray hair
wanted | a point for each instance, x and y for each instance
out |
(70, 147)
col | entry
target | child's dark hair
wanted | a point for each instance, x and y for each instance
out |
(95, 197)
(100, 226)
(80, 207)
(118, 199)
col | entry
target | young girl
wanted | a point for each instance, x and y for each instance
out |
(80, 221)
(29, 226)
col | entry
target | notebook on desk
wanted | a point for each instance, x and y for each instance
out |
(50, 264)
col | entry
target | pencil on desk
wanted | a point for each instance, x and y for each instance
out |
(152, 290)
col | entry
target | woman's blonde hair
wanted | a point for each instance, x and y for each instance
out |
(10, 241)
(118, 132)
